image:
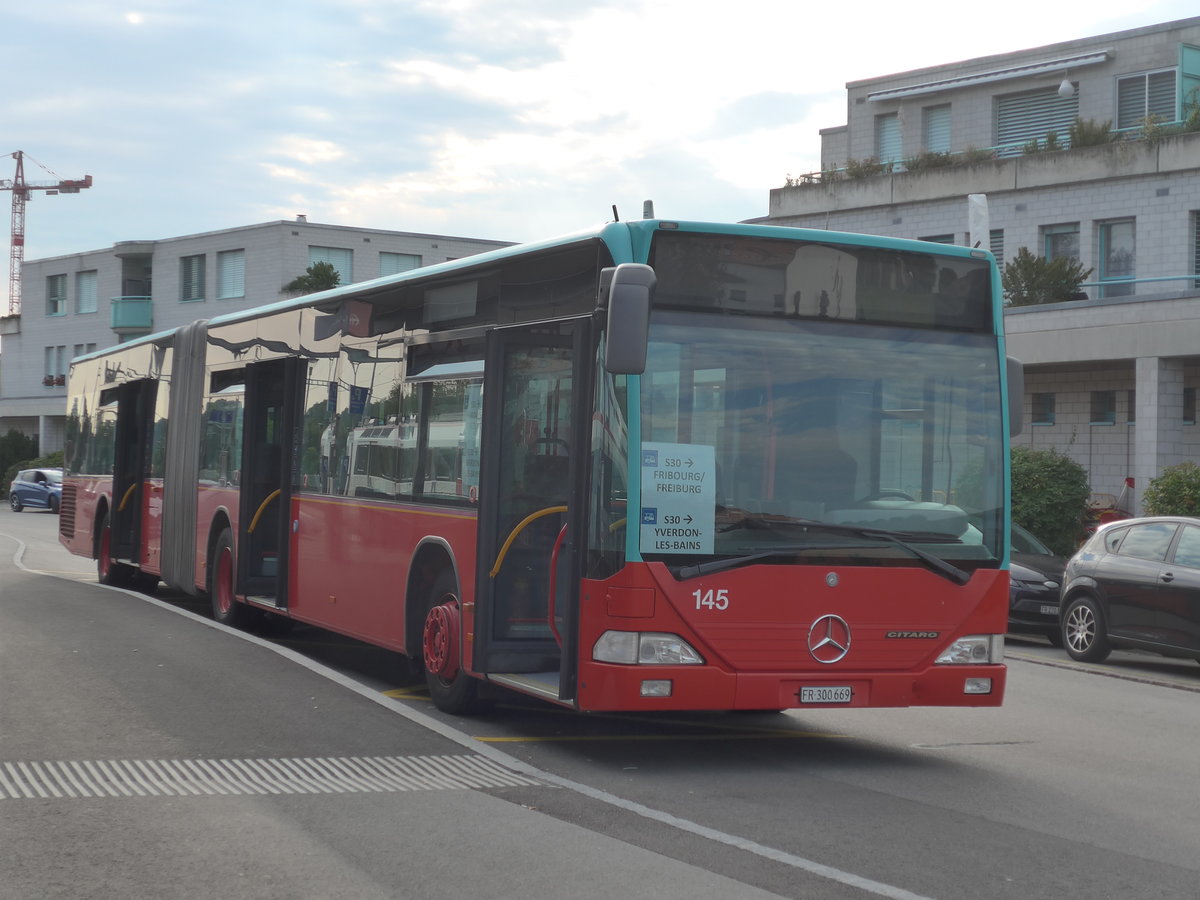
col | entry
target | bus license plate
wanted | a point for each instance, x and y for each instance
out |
(826, 694)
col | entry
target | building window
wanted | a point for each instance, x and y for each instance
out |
(1131, 407)
(191, 278)
(56, 295)
(996, 245)
(55, 366)
(1142, 96)
(231, 274)
(81, 349)
(1196, 247)
(1189, 406)
(1118, 258)
(1043, 409)
(1060, 241)
(888, 144)
(1031, 115)
(394, 263)
(1104, 408)
(341, 260)
(85, 292)
(936, 128)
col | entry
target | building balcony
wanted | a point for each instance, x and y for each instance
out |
(1171, 155)
(132, 315)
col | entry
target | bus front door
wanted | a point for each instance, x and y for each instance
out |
(264, 521)
(531, 468)
(131, 463)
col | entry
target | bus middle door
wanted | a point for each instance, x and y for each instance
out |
(131, 465)
(532, 465)
(268, 445)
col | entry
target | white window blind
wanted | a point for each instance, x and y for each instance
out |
(85, 292)
(888, 144)
(937, 129)
(342, 260)
(394, 263)
(231, 274)
(1021, 118)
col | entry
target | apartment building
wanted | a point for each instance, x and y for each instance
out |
(1088, 149)
(86, 301)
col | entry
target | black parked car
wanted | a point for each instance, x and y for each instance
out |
(1135, 583)
(1035, 576)
(36, 489)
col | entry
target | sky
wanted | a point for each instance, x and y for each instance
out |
(515, 120)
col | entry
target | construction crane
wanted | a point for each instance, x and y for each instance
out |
(21, 189)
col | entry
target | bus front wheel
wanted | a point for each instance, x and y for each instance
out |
(451, 689)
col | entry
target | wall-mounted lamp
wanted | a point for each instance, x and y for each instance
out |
(1066, 89)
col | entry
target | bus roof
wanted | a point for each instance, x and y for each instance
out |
(625, 240)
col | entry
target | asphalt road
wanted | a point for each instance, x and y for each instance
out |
(1082, 785)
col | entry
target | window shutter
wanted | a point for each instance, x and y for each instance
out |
(1020, 118)
(85, 292)
(888, 146)
(342, 260)
(395, 263)
(231, 274)
(937, 129)
(1160, 95)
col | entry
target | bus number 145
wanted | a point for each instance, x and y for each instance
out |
(711, 599)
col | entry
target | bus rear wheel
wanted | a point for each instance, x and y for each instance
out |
(108, 570)
(221, 590)
(451, 689)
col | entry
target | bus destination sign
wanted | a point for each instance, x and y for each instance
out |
(678, 498)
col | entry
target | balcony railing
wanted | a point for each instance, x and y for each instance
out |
(132, 315)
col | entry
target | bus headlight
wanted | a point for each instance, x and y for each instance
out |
(974, 650)
(646, 648)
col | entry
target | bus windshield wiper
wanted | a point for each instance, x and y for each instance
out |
(899, 538)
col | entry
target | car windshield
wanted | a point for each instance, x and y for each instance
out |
(53, 476)
(1024, 542)
(752, 427)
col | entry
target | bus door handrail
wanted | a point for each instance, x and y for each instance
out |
(125, 499)
(552, 605)
(261, 508)
(520, 526)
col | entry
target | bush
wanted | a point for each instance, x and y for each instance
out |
(15, 449)
(1176, 492)
(1090, 133)
(1049, 497)
(1029, 280)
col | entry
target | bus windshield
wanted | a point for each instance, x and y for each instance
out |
(756, 431)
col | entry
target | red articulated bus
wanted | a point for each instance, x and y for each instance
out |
(657, 465)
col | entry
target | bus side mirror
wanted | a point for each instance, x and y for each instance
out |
(629, 296)
(1016, 396)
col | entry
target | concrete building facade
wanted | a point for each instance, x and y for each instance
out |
(1111, 376)
(88, 301)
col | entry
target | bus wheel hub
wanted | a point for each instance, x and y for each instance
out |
(440, 641)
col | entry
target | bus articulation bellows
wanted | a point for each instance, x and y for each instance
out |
(653, 466)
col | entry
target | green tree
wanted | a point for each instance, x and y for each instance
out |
(15, 450)
(1029, 280)
(320, 276)
(1049, 497)
(1175, 492)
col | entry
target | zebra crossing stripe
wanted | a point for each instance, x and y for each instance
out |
(77, 779)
